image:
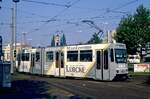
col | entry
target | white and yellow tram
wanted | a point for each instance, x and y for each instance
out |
(97, 61)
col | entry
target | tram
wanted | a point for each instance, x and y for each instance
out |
(97, 61)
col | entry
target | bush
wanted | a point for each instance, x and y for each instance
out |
(148, 80)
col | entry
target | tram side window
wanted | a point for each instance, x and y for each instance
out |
(37, 56)
(49, 56)
(105, 59)
(86, 55)
(25, 56)
(72, 56)
(112, 55)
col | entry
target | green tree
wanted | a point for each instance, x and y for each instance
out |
(133, 30)
(95, 39)
(63, 40)
(53, 41)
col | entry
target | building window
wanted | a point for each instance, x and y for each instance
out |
(86, 55)
(72, 55)
(49, 56)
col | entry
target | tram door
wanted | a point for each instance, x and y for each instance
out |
(32, 62)
(38, 68)
(59, 57)
(102, 69)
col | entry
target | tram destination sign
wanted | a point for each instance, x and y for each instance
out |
(78, 47)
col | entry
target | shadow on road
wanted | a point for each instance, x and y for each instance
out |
(26, 89)
(31, 89)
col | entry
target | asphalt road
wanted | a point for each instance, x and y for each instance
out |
(27, 86)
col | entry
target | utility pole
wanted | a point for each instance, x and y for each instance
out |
(14, 22)
(12, 43)
(13, 40)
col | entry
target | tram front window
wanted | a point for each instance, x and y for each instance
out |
(120, 55)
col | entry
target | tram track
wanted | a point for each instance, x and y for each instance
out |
(103, 88)
(72, 89)
(98, 89)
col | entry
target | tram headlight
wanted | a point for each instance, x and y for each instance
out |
(121, 65)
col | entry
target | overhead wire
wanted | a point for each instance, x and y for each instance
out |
(47, 3)
(70, 21)
(33, 14)
(69, 5)
(126, 4)
(108, 10)
(45, 21)
(67, 21)
(62, 5)
(58, 14)
(114, 10)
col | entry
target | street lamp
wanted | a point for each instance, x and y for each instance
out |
(0, 6)
(14, 22)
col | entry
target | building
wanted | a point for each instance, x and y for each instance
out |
(57, 40)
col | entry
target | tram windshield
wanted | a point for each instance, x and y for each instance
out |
(120, 55)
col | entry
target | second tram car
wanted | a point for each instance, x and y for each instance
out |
(97, 61)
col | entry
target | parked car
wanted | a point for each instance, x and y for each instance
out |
(133, 59)
(146, 58)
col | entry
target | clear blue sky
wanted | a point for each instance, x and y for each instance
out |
(34, 18)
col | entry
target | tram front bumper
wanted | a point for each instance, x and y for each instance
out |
(121, 77)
